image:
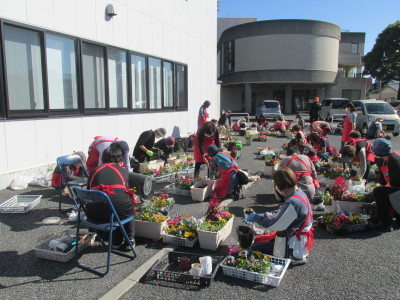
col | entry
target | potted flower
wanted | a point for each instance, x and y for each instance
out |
(202, 189)
(181, 155)
(216, 226)
(162, 202)
(271, 164)
(149, 223)
(331, 174)
(254, 266)
(248, 136)
(184, 183)
(356, 180)
(181, 230)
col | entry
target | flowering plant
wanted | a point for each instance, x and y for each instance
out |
(353, 197)
(184, 183)
(147, 171)
(262, 137)
(333, 173)
(271, 160)
(150, 215)
(340, 221)
(182, 226)
(339, 188)
(216, 217)
(356, 165)
(253, 261)
(356, 178)
(162, 201)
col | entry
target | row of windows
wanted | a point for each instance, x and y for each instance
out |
(48, 74)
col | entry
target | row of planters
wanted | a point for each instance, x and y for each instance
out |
(197, 188)
(152, 222)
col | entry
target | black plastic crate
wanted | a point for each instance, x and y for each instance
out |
(167, 269)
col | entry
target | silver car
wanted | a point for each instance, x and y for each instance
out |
(270, 109)
(369, 110)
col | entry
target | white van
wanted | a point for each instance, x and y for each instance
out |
(270, 109)
(333, 108)
(369, 110)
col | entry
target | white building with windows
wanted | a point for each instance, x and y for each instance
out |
(70, 72)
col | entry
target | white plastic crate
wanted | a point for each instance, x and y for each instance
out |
(43, 251)
(170, 239)
(20, 204)
(273, 278)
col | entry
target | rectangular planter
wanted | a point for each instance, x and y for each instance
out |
(199, 194)
(347, 206)
(211, 240)
(172, 161)
(270, 170)
(152, 165)
(149, 230)
(180, 241)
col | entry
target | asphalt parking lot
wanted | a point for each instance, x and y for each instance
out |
(358, 266)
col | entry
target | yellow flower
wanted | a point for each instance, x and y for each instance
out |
(188, 234)
(258, 254)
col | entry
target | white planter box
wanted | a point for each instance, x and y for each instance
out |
(149, 230)
(211, 240)
(152, 165)
(270, 170)
(184, 242)
(199, 194)
(347, 206)
(248, 142)
(172, 161)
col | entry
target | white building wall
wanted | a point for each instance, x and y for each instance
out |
(179, 30)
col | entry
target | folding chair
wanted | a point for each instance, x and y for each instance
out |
(90, 196)
(68, 160)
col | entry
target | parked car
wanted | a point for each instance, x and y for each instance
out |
(333, 108)
(270, 109)
(368, 110)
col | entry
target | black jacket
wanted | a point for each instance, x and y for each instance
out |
(394, 170)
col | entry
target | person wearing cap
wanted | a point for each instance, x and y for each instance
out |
(203, 114)
(205, 136)
(388, 162)
(166, 145)
(315, 107)
(349, 123)
(358, 150)
(145, 143)
(375, 129)
(321, 127)
(225, 169)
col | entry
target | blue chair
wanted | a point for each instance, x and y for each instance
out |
(68, 160)
(90, 196)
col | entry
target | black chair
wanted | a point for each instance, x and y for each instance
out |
(90, 196)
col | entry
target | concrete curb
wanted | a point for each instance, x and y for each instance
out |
(129, 282)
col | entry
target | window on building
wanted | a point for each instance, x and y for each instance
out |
(354, 48)
(351, 94)
(61, 72)
(168, 84)
(219, 63)
(139, 82)
(23, 69)
(117, 78)
(155, 95)
(93, 58)
(181, 87)
(229, 56)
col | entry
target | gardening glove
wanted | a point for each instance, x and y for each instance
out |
(149, 153)
(250, 218)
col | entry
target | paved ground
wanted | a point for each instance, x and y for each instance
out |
(361, 266)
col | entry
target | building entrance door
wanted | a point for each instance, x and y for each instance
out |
(301, 99)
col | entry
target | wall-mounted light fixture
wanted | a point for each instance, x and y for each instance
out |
(110, 11)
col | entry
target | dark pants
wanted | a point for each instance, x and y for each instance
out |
(197, 166)
(381, 196)
(266, 248)
(313, 118)
(324, 156)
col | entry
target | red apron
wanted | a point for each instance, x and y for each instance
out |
(385, 171)
(93, 159)
(300, 174)
(368, 152)
(298, 233)
(347, 128)
(57, 179)
(224, 182)
(303, 136)
(109, 189)
(278, 125)
(207, 141)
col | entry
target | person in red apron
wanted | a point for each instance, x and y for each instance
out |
(225, 169)
(358, 150)
(321, 146)
(72, 172)
(299, 135)
(279, 125)
(112, 179)
(305, 172)
(321, 127)
(206, 136)
(96, 149)
(349, 123)
(203, 114)
(388, 162)
(294, 216)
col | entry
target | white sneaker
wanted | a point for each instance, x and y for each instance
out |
(320, 207)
